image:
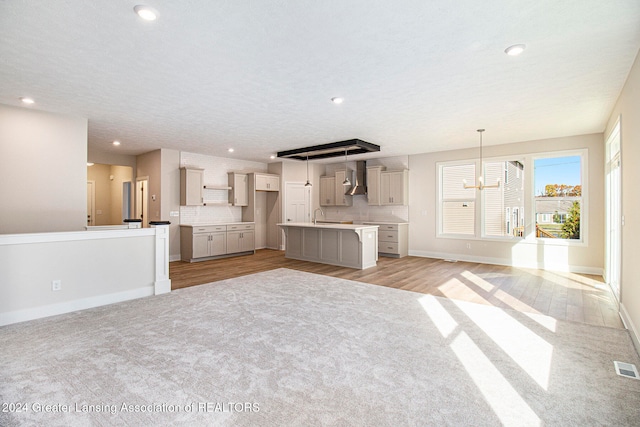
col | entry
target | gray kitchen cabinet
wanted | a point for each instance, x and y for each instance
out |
(239, 194)
(394, 187)
(191, 186)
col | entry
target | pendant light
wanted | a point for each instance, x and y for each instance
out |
(308, 184)
(481, 185)
(346, 181)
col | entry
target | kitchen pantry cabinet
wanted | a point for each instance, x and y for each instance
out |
(340, 198)
(394, 187)
(200, 242)
(239, 194)
(265, 182)
(328, 191)
(191, 185)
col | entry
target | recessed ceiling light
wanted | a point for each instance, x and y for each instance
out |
(230, 150)
(145, 12)
(89, 164)
(116, 143)
(27, 100)
(515, 50)
(272, 156)
(337, 100)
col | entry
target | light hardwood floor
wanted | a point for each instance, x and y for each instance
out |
(565, 296)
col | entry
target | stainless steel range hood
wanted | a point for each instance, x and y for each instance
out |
(360, 184)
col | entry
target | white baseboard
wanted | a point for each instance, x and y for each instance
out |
(173, 258)
(75, 305)
(510, 263)
(628, 323)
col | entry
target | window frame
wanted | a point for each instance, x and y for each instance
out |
(527, 208)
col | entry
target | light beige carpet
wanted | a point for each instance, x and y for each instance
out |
(287, 348)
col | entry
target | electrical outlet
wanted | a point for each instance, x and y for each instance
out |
(56, 285)
(468, 245)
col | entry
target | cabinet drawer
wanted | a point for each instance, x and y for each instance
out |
(235, 227)
(387, 236)
(390, 227)
(388, 247)
(209, 228)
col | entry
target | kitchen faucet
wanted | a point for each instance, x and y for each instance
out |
(314, 214)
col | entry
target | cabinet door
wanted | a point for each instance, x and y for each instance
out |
(218, 244)
(273, 183)
(200, 245)
(233, 242)
(373, 186)
(262, 183)
(191, 185)
(239, 196)
(247, 241)
(393, 188)
(340, 198)
(327, 191)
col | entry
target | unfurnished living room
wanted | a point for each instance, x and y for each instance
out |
(357, 213)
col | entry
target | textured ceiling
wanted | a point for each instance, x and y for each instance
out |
(416, 76)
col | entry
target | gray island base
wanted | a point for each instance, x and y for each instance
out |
(346, 245)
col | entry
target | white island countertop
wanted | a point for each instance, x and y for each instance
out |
(333, 226)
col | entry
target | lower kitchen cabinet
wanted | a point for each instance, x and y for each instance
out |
(393, 239)
(240, 238)
(202, 242)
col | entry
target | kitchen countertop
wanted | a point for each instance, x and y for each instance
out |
(325, 225)
(207, 224)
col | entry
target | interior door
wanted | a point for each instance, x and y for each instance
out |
(142, 200)
(297, 204)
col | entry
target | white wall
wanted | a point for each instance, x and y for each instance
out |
(43, 159)
(628, 109)
(423, 198)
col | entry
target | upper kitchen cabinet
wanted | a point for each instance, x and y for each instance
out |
(394, 187)
(191, 186)
(340, 198)
(373, 185)
(267, 182)
(239, 194)
(328, 190)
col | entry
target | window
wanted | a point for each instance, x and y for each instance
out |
(458, 203)
(506, 198)
(554, 208)
(558, 196)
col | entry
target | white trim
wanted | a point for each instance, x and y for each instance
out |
(69, 236)
(507, 262)
(628, 323)
(75, 305)
(174, 258)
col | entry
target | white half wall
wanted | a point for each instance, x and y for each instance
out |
(94, 268)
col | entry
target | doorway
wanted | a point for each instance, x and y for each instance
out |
(297, 203)
(142, 200)
(613, 212)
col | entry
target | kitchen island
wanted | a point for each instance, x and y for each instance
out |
(346, 245)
